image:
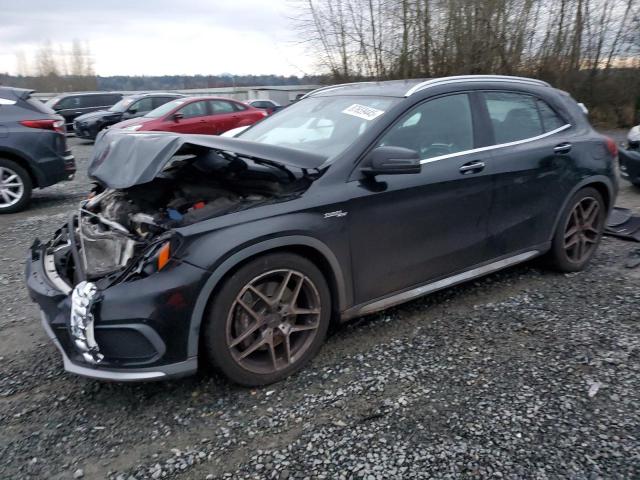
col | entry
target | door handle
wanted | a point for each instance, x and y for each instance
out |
(564, 147)
(472, 167)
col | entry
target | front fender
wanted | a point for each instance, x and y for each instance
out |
(343, 291)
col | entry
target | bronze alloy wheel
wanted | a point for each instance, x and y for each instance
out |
(582, 231)
(273, 321)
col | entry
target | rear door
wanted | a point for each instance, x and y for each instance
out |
(531, 169)
(407, 230)
(193, 120)
(247, 116)
(223, 117)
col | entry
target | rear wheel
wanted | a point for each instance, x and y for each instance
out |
(15, 187)
(269, 318)
(579, 231)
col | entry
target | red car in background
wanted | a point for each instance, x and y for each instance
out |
(199, 115)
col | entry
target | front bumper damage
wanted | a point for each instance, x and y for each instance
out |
(132, 331)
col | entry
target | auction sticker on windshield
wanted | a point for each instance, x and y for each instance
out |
(362, 111)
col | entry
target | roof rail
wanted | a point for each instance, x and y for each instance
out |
(474, 78)
(331, 87)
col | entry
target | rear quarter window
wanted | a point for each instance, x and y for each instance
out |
(550, 120)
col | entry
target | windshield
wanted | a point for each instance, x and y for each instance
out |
(321, 124)
(162, 110)
(122, 105)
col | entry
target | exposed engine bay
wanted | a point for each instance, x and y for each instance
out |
(115, 228)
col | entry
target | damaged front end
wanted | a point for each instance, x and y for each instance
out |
(101, 280)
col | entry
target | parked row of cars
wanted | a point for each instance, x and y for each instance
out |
(87, 113)
(33, 146)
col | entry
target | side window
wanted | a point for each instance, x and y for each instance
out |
(513, 116)
(550, 121)
(220, 106)
(437, 127)
(95, 101)
(157, 101)
(112, 99)
(144, 105)
(69, 102)
(194, 109)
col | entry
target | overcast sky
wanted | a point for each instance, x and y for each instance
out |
(156, 37)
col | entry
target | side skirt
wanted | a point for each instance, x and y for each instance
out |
(405, 296)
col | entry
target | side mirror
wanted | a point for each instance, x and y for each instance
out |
(392, 161)
(178, 116)
(132, 110)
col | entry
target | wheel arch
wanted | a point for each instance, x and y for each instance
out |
(312, 249)
(24, 162)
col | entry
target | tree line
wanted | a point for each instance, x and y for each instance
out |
(70, 69)
(64, 83)
(590, 48)
(58, 69)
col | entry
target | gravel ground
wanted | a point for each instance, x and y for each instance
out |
(522, 374)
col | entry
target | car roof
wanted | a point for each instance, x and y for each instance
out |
(86, 94)
(406, 88)
(212, 98)
(155, 94)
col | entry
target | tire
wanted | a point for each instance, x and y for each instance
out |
(247, 329)
(14, 180)
(587, 231)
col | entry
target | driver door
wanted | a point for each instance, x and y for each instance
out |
(194, 119)
(409, 229)
(139, 108)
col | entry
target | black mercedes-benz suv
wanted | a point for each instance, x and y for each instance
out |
(88, 125)
(242, 250)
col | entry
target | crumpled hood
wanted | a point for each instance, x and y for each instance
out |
(122, 159)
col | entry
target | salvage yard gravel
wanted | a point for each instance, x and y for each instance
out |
(522, 374)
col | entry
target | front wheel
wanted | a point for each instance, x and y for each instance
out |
(579, 231)
(269, 319)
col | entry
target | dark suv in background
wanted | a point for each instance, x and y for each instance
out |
(33, 148)
(133, 106)
(72, 105)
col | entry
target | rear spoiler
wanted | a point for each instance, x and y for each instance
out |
(23, 93)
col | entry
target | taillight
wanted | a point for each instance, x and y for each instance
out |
(611, 147)
(55, 125)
